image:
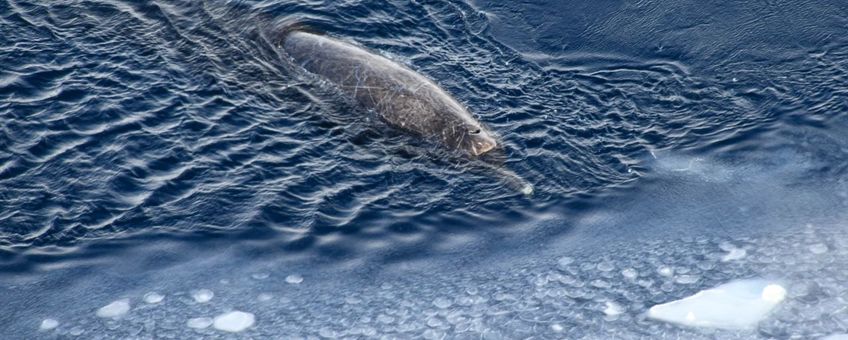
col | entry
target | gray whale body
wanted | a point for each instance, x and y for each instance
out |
(401, 97)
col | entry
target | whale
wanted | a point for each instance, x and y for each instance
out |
(402, 98)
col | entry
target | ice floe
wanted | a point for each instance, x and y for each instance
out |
(613, 309)
(836, 337)
(734, 254)
(202, 295)
(818, 248)
(199, 323)
(294, 279)
(735, 305)
(76, 331)
(153, 298)
(442, 302)
(262, 297)
(115, 309)
(235, 321)
(48, 324)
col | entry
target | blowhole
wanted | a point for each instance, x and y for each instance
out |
(475, 132)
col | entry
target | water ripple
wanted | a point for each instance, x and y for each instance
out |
(182, 116)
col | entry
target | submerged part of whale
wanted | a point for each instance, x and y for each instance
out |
(401, 97)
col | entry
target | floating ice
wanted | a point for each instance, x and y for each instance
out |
(385, 319)
(199, 323)
(527, 189)
(202, 295)
(235, 321)
(115, 309)
(836, 337)
(565, 261)
(613, 309)
(686, 279)
(605, 266)
(735, 305)
(734, 254)
(153, 297)
(48, 324)
(442, 303)
(76, 331)
(818, 248)
(294, 279)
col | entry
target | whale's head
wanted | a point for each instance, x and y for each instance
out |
(476, 140)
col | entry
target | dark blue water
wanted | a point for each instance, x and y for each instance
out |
(138, 137)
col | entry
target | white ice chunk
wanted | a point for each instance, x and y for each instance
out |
(442, 303)
(76, 331)
(836, 337)
(818, 248)
(115, 309)
(48, 324)
(294, 279)
(565, 261)
(613, 309)
(734, 254)
(734, 305)
(202, 295)
(235, 321)
(199, 323)
(153, 297)
(629, 273)
(527, 190)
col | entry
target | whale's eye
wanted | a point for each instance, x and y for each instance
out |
(474, 132)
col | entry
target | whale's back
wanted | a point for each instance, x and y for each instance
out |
(401, 97)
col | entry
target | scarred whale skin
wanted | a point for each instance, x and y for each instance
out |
(401, 97)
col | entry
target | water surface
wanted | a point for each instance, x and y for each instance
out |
(171, 146)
